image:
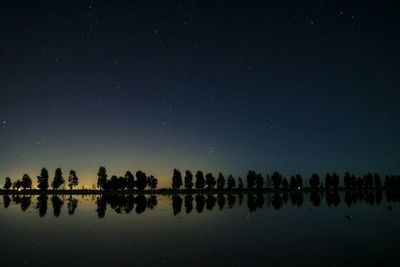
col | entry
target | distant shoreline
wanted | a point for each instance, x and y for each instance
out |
(165, 191)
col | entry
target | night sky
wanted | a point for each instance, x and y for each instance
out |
(293, 86)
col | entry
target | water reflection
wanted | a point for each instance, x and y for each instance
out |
(125, 204)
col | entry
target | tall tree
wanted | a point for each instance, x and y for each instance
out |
(43, 179)
(58, 180)
(102, 178)
(259, 179)
(220, 181)
(231, 182)
(251, 179)
(377, 180)
(130, 180)
(73, 180)
(141, 180)
(276, 178)
(240, 183)
(176, 179)
(26, 181)
(188, 180)
(285, 184)
(210, 181)
(200, 181)
(314, 181)
(347, 180)
(7, 183)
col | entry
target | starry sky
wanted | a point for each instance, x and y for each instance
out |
(293, 86)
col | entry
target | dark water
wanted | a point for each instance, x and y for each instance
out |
(330, 229)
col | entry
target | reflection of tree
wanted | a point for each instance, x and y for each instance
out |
(240, 199)
(231, 200)
(221, 201)
(101, 206)
(188, 203)
(260, 201)
(72, 205)
(332, 198)
(177, 204)
(16, 199)
(57, 205)
(378, 197)
(6, 201)
(210, 202)
(25, 202)
(140, 203)
(315, 198)
(285, 197)
(297, 199)
(200, 203)
(41, 204)
(277, 201)
(251, 202)
(129, 203)
(152, 202)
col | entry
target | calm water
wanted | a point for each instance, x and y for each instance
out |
(359, 229)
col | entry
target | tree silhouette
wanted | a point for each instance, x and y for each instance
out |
(377, 180)
(57, 205)
(17, 184)
(276, 178)
(58, 180)
(176, 179)
(130, 180)
(240, 183)
(6, 201)
(177, 204)
(285, 184)
(41, 205)
(72, 179)
(26, 181)
(43, 179)
(188, 203)
(113, 183)
(7, 183)
(314, 181)
(347, 180)
(251, 179)
(210, 181)
(72, 205)
(152, 182)
(188, 180)
(200, 203)
(328, 181)
(102, 178)
(335, 180)
(259, 179)
(200, 181)
(230, 182)
(220, 181)
(141, 180)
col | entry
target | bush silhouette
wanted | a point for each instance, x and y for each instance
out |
(176, 179)
(43, 179)
(188, 180)
(152, 182)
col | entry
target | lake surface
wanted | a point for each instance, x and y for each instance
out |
(311, 229)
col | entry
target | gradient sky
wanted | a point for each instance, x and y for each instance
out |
(293, 86)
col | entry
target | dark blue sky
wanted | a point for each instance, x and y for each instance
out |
(227, 86)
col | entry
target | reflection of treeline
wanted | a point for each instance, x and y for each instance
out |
(125, 204)
(199, 181)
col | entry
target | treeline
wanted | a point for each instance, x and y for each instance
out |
(199, 181)
(277, 181)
